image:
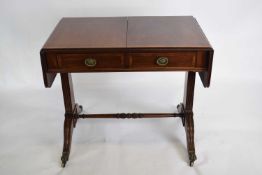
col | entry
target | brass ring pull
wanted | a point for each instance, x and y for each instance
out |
(90, 62)
(162, 61)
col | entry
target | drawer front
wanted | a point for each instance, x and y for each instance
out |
(136, 61)
(86, 62)
(180, 60)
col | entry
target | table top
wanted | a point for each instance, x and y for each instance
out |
(127, 32)
(127, 44)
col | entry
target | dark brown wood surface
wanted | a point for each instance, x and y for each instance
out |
(96, 32)
(165, 32)
(188, 102)
(127, 44)
(128, 32)
(134, 38)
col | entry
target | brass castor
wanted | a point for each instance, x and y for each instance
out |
(63, 164)
(192, 158)
(64, 159)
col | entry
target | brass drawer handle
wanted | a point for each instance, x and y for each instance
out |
(162, 61)
(90, 62)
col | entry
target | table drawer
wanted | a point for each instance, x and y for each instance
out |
(181, 60)
(92, 61)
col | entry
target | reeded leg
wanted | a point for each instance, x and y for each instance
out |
(187, 108)
(189, 127)
(68, 131)
(71, 110)
(69, 125)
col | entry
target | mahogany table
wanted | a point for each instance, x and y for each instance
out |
(127, 44)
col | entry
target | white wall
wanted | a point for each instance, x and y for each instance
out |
(227, 115)
(232, 26)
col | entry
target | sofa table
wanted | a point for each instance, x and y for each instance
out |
(127, 44)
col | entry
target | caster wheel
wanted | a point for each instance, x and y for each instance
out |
(63, 164)
(64, 158)
(192, 158)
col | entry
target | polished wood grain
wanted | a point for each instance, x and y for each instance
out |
(180, 60)
(127, 44)
(129, 36)
(107, 62)
(92, 32)
(165, 32)
(76, 62)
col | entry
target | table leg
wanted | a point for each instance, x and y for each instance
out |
(188, 113)
(71, 108)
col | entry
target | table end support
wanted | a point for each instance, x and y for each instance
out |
(188, 121)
